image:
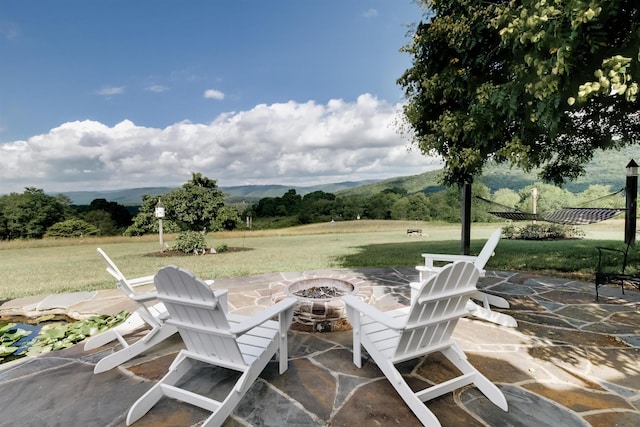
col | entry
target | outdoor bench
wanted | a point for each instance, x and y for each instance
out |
(621, 276)
(414, 231)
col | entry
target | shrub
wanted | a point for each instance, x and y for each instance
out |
(71, 228)
(191, 242)
(542, 232)
(222, 247)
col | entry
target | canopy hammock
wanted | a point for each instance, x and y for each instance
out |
(567, 216)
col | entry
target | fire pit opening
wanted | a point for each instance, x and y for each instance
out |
(320, 307)
(320, 289)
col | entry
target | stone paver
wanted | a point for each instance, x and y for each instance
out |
(572, 361)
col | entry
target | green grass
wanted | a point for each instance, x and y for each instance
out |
(54, 266)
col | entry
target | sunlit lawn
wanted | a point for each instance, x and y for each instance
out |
(53, 266)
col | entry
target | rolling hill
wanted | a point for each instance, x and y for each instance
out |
(606, 169)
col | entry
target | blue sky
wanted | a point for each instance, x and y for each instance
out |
(99, 95)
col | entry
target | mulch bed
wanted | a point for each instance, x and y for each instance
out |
(172, 252)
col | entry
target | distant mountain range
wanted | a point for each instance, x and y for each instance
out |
(606, 169)
(248, 193)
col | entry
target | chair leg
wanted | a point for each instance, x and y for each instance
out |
(133, 350)
(354, 318)
(179, 367)
(489, 389)
(417, 406)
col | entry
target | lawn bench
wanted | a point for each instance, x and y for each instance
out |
(414, 231)
(618, 258)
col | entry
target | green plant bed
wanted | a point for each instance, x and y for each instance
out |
(50, 336)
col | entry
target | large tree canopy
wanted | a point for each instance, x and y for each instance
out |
(535, 83)
(197, 206)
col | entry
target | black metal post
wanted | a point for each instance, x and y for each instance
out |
(632, 203)
(465, 202)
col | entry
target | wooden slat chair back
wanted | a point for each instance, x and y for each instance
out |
(424, 327)
(480, 261)
(149, 313)
(211, 335)
(197, 311)
(488, 250)
(434, 313)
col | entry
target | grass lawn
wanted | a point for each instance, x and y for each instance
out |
(54, 266)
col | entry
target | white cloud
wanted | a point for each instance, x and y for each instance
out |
(156, 88)
(288, 143)
(108, 91)
(370, 13)
(213, 94)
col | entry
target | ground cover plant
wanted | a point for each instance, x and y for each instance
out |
(20, 340)
(31, 267)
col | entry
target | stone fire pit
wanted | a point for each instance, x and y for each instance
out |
(320, 307)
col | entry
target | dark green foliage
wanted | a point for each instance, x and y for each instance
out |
(52, 336)
(191, 242)
(72, 228)
(499, 81)
(29, 215)
(118, 213)
(198, 205)
(544, 231)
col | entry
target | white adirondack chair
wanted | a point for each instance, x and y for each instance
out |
(425, 327)
(244, 344)
(151, 316)
(479, 261)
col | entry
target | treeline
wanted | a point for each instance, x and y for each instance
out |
(199, 206)
(34, 214)
(398, 204)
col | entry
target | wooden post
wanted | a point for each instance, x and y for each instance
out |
(465, 202)
(632, 203)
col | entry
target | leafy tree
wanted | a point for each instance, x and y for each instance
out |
(102, 221)
(226, 219)
(506, 197)
(499, 80)
(317, 206)
(267, 206)
(575, 71)
(28, 215)
(118, 213)
(413, 207)
(196, 206)
(457, 58)
(379, 205)
(72, 228)
(145, 221)
(550, 198)
(290, 202)
(351, 207)
(599, 196)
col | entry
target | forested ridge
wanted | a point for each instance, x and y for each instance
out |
(35, 214)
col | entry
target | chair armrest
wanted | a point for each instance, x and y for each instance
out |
(429, 258)
(620, 251)
(602, 248)
(139, 281)
(147, 296)
(372, 312)
(263, 316)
